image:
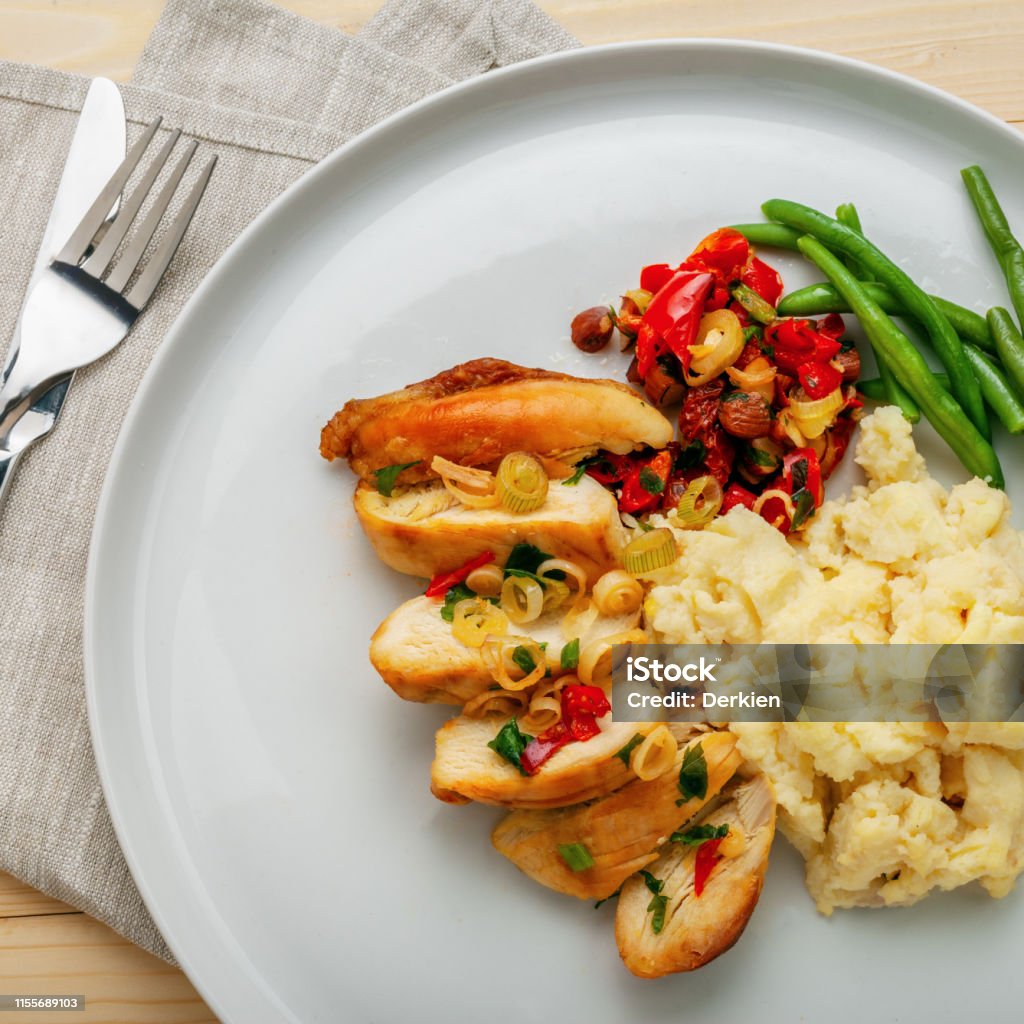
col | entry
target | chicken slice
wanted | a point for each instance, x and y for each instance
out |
(479, 411)
(416, 654)
(622, 832)
(465, 768)
(697, 929)
(424, 530)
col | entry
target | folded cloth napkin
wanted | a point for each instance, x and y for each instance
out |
(271, 94)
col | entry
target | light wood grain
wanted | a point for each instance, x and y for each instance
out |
(20, 900)
(970, 49)
(71, 954)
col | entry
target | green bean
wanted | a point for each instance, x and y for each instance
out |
(1009, 345)
(775, 236)
(1007, 249)
(944, 339)
(816, 299)
(941, 408)
(847, 214)
(996, 390)
(874, 388)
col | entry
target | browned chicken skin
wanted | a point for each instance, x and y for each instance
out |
(479, 411)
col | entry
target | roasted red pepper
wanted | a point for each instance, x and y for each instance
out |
(698, 421)
(655, 276)
(543, 747)
(704, 864)
(443, 582)
(819, 379)
(645, 484)
(723, 253)
(802, 471)
(763, 279)
(795, 342)
(736, 495)
(581, 707)
(674, 315)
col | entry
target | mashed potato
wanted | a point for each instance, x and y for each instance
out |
(882, 813)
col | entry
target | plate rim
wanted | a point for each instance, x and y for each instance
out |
(144, 875)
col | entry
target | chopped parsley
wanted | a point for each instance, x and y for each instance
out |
(759, 457)
(693, 774)
(579, 471)
(460, 592)
(692, 455)
(510, 744)
(607, 898)
(522, 657)
(659, 901)
(650, 481)
(387, 476)
(700, 834)
(571, 654)
(526, 559)
(623, 754)
(803, 508)
(576, 856)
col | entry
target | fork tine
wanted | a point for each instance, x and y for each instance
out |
(143, 289)
(98, 262)
(78, 244)
(130, 258)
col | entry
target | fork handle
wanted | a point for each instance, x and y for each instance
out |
(17, 393)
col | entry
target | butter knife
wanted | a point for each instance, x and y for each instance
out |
(97, 147)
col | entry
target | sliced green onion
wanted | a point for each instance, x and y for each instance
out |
(576, 856)
(760, 309)
(650, 551)
(522, 483)
(570, 657)
(700, 503)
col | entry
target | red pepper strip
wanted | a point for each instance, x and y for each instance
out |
(655, 276)
(443, 582)
(774, 512)
(707, 858)
(544, 746)
(819, 379)
(581, 707)
(609, 468)
(796, 342)
(737, 495)
(724, 253)
(763, 279)
(675, 311)
(832, 326)
(636, 497)
(812, 474)
(648, 347)
(719, 298)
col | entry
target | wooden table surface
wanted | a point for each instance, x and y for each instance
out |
(970, 49)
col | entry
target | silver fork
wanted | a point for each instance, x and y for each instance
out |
(81, 307)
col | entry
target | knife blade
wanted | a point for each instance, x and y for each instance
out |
(97, 147)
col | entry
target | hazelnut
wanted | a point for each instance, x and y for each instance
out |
(745, 414)
(848, 361)
(592, 329)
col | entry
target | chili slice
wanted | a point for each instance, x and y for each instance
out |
(443, 582)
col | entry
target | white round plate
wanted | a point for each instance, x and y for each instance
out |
(271, 794)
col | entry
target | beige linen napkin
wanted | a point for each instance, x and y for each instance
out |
(271, 94)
